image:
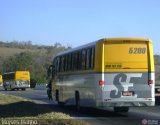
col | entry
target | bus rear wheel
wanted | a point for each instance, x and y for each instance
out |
(23, 89)
(121, 109)
(77, 101)
(57, 99)
(57, 95)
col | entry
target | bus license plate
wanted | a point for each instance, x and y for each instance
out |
(127, 93)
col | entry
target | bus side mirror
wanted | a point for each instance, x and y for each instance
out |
(53, 70)
(49, 71)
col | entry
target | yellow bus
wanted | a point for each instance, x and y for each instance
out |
(111, 72)
(16, 80)
(1, 80)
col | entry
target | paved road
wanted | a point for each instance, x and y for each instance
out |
(94, 116)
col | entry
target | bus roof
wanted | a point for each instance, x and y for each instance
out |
(78, 48)
(126, 39)
(104, 39)
(14, 72)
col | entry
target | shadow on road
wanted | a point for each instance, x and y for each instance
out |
(22, 109)
(86, 112)
(30, 109)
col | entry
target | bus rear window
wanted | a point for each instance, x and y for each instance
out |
(126, 56)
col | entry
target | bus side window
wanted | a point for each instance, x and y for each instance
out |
(57, 65)
(69, 62)
(61, 67)
(75, 62)
(72, 61)
(79, 60)
(92, 57)
(65, 63)
(88, 59)
(83, 60)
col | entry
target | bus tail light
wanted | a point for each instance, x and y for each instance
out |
(150, 82)
(101, 82)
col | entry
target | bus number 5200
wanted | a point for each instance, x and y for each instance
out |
(137, 50)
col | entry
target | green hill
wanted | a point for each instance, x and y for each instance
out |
(25, 56)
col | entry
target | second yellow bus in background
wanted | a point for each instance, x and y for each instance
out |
(1, 80)
(16, 80)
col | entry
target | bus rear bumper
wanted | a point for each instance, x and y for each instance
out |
(20, 87)
(144, 102)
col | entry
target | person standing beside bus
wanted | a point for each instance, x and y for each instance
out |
(49, 90)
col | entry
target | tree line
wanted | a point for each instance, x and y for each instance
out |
(36, 62)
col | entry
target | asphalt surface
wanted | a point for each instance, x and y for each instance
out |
(136, 115)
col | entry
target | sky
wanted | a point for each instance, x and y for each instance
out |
(77, 22)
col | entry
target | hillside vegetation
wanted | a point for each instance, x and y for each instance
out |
(35, 58)
(25, 56)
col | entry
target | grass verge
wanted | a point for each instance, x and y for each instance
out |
(18, 111)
